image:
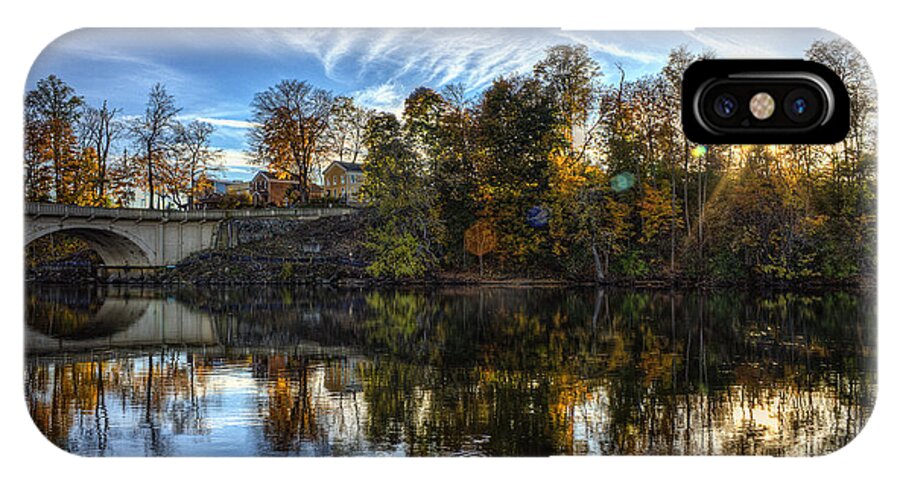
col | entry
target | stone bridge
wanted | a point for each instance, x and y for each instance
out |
(128, 237)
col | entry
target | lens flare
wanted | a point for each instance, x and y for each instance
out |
(538, 216)
(622, 182)
(698, 151)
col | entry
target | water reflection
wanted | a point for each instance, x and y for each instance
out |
(271, 371)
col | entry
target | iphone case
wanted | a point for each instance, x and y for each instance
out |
(437, 242)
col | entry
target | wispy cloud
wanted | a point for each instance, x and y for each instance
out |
(615, 49)
(122, 68)
(329, 47)
(225, 122)
(730, 46)
(757, 43)
(388, 61)
(237, 172)
(235, 158)
(229, 133)
(387, 96)
(414, 57)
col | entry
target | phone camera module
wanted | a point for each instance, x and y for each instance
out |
(727, 102)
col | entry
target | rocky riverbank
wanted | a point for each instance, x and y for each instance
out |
(258, 251)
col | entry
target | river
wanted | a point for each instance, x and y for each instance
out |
(244, 371)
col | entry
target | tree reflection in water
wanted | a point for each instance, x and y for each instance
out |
(467, 371)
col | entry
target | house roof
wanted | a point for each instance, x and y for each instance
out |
(272, 178)
(346, 166)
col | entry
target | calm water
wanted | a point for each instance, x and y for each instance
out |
(462, 371)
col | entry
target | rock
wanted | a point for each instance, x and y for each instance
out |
(327, 250)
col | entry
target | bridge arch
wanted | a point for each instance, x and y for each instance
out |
(115, 247)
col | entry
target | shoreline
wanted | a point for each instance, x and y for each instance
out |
(515, 282)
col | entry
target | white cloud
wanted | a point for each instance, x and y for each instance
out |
(612, 48)
(123, 60)
(224, 122)
(235, 158)
(393, 62)
(414, 57)
(757, 43)
(729, 46)
(235, 165)
(387, 97)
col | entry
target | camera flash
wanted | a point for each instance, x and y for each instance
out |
(762, 106)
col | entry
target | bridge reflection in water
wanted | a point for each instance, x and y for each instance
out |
(129, 321)
(282, 371)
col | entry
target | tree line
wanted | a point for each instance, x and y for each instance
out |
(558, 174)
(76, 153)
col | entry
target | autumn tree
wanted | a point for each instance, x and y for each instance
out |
(517, 128)
(123, 179)
(679, 60)
(235, 200)
(570, 76)
(853, 164)
(588, 225)
(292, 119)
(152, 133)
(454, 167)
(345, 136)
(440, 127)
(640, 139)
(192, 160)
(846, 192)
(52, 112)
(480, 240)
(99, 129)
(850, 66)
(39, 180)
(422, 111)
(81, 179)
(407, 235)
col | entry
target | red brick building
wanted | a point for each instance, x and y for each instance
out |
(267, 190)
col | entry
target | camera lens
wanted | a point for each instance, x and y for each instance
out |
(801, 106)
(725, 105)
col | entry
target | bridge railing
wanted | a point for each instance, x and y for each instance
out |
(35, 210)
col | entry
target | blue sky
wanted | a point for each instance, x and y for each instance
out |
(214, 73)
